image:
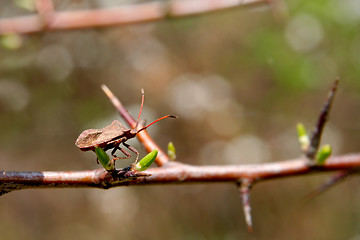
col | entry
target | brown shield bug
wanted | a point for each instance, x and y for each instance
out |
(111, 136)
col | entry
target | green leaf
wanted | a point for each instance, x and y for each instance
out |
(146, 161)
(303, 137)
(104, 159)
(171, 151)
(323, 154)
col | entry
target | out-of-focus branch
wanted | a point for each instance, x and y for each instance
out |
(131, 14)
(335, 179)
(45, 9)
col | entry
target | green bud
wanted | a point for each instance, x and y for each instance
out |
(26, 4)
(323, 154)
(11, 41)
(303, 137)
(146, 161)
(171, 151)
(104, 159)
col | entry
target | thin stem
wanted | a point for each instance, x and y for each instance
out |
(323, 117)
(332, 181)
(119, 107)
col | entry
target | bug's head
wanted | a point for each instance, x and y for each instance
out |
(135, 130)
(131, 133)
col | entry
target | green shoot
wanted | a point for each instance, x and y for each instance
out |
(303, 137)
(104, 159)
(171, 151)
(11, 41)
(146, 161)
(323, 154)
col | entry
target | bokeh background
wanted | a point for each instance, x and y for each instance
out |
(240, 80)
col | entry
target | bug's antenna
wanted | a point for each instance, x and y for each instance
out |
(171, 116)
(141, 107)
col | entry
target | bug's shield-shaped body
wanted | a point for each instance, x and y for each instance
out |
(91, 138)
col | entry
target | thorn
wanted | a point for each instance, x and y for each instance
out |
(323, 117)
(244, 186)
(333, 180)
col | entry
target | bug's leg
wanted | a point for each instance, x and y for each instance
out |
(114, 156)
(127, 154)
(116, 147)
(133, 150)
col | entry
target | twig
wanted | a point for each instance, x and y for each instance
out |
(119, 107)
(333, 180)
(317, 133)
(124, 15)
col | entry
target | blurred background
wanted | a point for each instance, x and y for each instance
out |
(239, 80)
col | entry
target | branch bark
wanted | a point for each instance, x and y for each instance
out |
(174, 173)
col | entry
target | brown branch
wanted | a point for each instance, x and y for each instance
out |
(333, 180)
(173, 173)
(323, 117)
(11, 180)
(124, 15)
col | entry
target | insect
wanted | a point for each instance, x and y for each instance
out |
(111, 136)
